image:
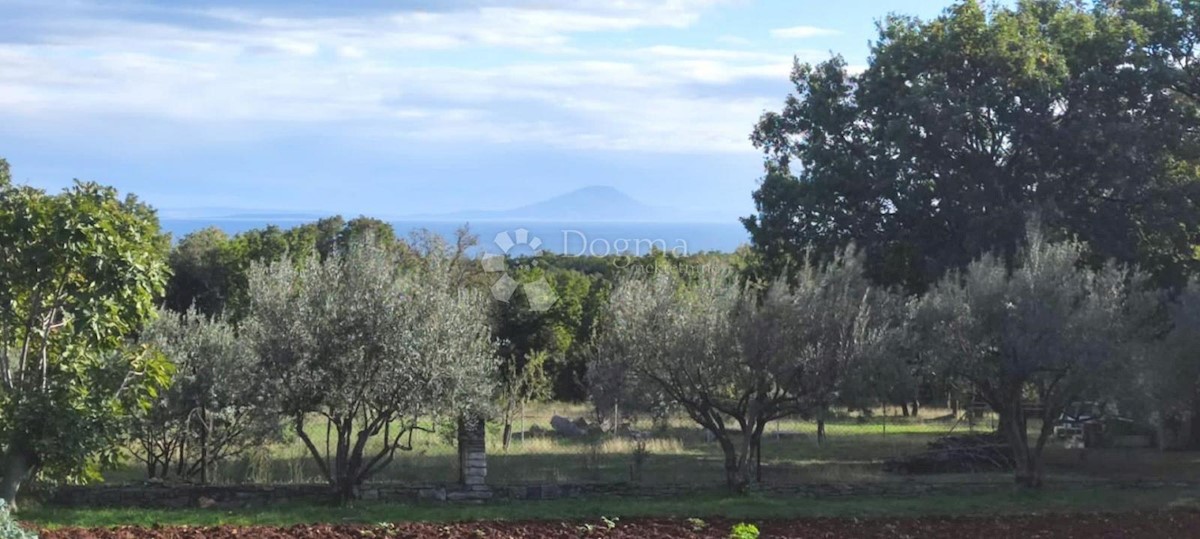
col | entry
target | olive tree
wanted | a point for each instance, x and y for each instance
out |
(520, 383)
(1032, 336)
(79, 273)
(367, 347)
(215, 409)
(842, 335)
(1168, 378)
(616, 390)
(736, 358)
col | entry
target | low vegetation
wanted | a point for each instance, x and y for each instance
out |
(696, 511)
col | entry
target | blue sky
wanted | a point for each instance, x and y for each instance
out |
(407, 107)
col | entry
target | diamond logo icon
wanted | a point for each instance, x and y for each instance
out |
(504, 288)
(539, 293)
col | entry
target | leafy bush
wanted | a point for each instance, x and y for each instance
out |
(744, 531)
(9, 529)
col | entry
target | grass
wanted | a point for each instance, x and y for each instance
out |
(681, 453)
(753, 507)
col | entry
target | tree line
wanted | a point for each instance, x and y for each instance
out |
(190, 355)
(736, 355)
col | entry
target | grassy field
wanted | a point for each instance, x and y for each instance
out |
(745, 507)
(680, 453)
(683, 454)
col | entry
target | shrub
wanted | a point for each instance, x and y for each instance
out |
(744, 531)
(9, 528)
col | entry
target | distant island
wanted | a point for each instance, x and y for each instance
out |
(598, 203)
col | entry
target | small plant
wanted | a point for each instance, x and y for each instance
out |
(610, 522)
(697, 525)
(744, 531)
(9, 528)
(383, 529)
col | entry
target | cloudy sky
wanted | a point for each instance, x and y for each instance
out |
(408, 106)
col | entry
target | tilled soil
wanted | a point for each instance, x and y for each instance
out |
(1157, 525)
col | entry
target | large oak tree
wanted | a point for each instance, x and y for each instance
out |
(961, 126)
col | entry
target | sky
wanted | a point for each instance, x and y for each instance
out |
(393, 108)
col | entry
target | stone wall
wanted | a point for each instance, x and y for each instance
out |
(176, 496)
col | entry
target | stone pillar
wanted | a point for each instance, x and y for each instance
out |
(472, 458)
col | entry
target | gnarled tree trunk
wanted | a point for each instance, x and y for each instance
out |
(737, 464)
(1029, 472)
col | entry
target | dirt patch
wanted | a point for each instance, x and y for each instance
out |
(1158, 524)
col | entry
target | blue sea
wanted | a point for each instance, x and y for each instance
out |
(522, 238)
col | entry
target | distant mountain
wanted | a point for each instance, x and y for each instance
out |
(599, 203)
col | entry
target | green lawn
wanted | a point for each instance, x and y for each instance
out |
(746, 507)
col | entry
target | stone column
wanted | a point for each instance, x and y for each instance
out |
(472, 458)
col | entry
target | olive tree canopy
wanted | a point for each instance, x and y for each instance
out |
(736, 358)
(1033, 338)
(216, 408)
(366, 346)
(1168, 377)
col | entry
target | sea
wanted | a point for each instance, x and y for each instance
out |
(526, 238)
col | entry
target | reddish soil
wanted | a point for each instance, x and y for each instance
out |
(1164, 524)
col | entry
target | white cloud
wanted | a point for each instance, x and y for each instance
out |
(802, 32)
(497, 74)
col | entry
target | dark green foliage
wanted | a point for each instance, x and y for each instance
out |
(199, 273)
(210, 267)
(963, 126)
